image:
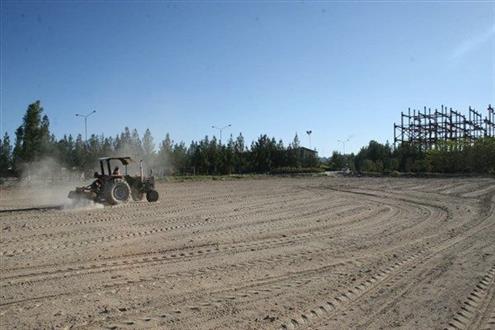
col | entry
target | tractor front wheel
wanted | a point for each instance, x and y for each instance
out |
(152, 196)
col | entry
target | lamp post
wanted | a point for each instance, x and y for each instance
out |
(86, 123)
(309, 137)
(221, 130)
(343, 147)
(344, 142)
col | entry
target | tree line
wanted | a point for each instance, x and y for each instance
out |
(446, 157)
(34, 142)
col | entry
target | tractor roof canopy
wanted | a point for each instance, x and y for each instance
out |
(123, 160)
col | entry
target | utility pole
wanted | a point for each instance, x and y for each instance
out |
(309, 137)
(86, 123)
(221, 130)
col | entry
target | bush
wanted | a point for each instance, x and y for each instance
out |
(296, 170)
(395, 174)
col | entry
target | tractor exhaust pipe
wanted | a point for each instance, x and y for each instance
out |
(141, 170)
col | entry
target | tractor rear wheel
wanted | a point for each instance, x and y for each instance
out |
(152, 196)
(117, 192)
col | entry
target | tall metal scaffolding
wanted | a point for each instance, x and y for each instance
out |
(427, 128)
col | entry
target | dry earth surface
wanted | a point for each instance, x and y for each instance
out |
(275, 253)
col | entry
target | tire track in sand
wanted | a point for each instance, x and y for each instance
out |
(143, 233)
(165, 256)
(475, 306)
(387, 276)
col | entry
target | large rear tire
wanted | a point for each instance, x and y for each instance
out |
(117, 192)
(152, 196)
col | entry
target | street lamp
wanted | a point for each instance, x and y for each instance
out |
(309, 137)
(343, 146)
(344, 142)
(86, 123)
(221, 129)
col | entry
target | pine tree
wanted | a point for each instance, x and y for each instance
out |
(5, 155)
(296, 143)
(46, 140)
(294, 153)
(179, 158)
(17, 153)
(148, 148)
(80, 159)
(31, 144)
(240, 165)
(136, 146)
(33, 138)
(164, 155)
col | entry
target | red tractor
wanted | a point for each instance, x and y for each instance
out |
(112, 187)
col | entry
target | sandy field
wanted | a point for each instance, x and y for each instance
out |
(275, 253)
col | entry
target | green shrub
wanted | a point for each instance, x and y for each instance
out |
(395, 174)
(296, 170)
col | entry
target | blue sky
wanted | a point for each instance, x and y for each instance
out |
(336, 68)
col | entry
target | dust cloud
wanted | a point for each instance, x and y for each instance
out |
(47, 183)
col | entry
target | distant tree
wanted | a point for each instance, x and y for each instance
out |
(5, 155)
(310, 160)
(107, 147)
(481, 156)
(240, 155)
(193, 155)
(46, 140)
(123, 143)
(164, 158)
(32, 134)
(136, 147)
(125, 137)
(214, 156)
(337, 161)
(278, 153)
(406, 155)
(203, 156)
(17, 153)
(79, 153)
(148, 148)
(229, 157)
(375, 157)
(148, 144)
(294, 153)
(63, 150)
(179, 158)
(295, 142)
(93, 150)
(261, 154)
(116, 143)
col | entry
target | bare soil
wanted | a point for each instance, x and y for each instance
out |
(275, 253)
